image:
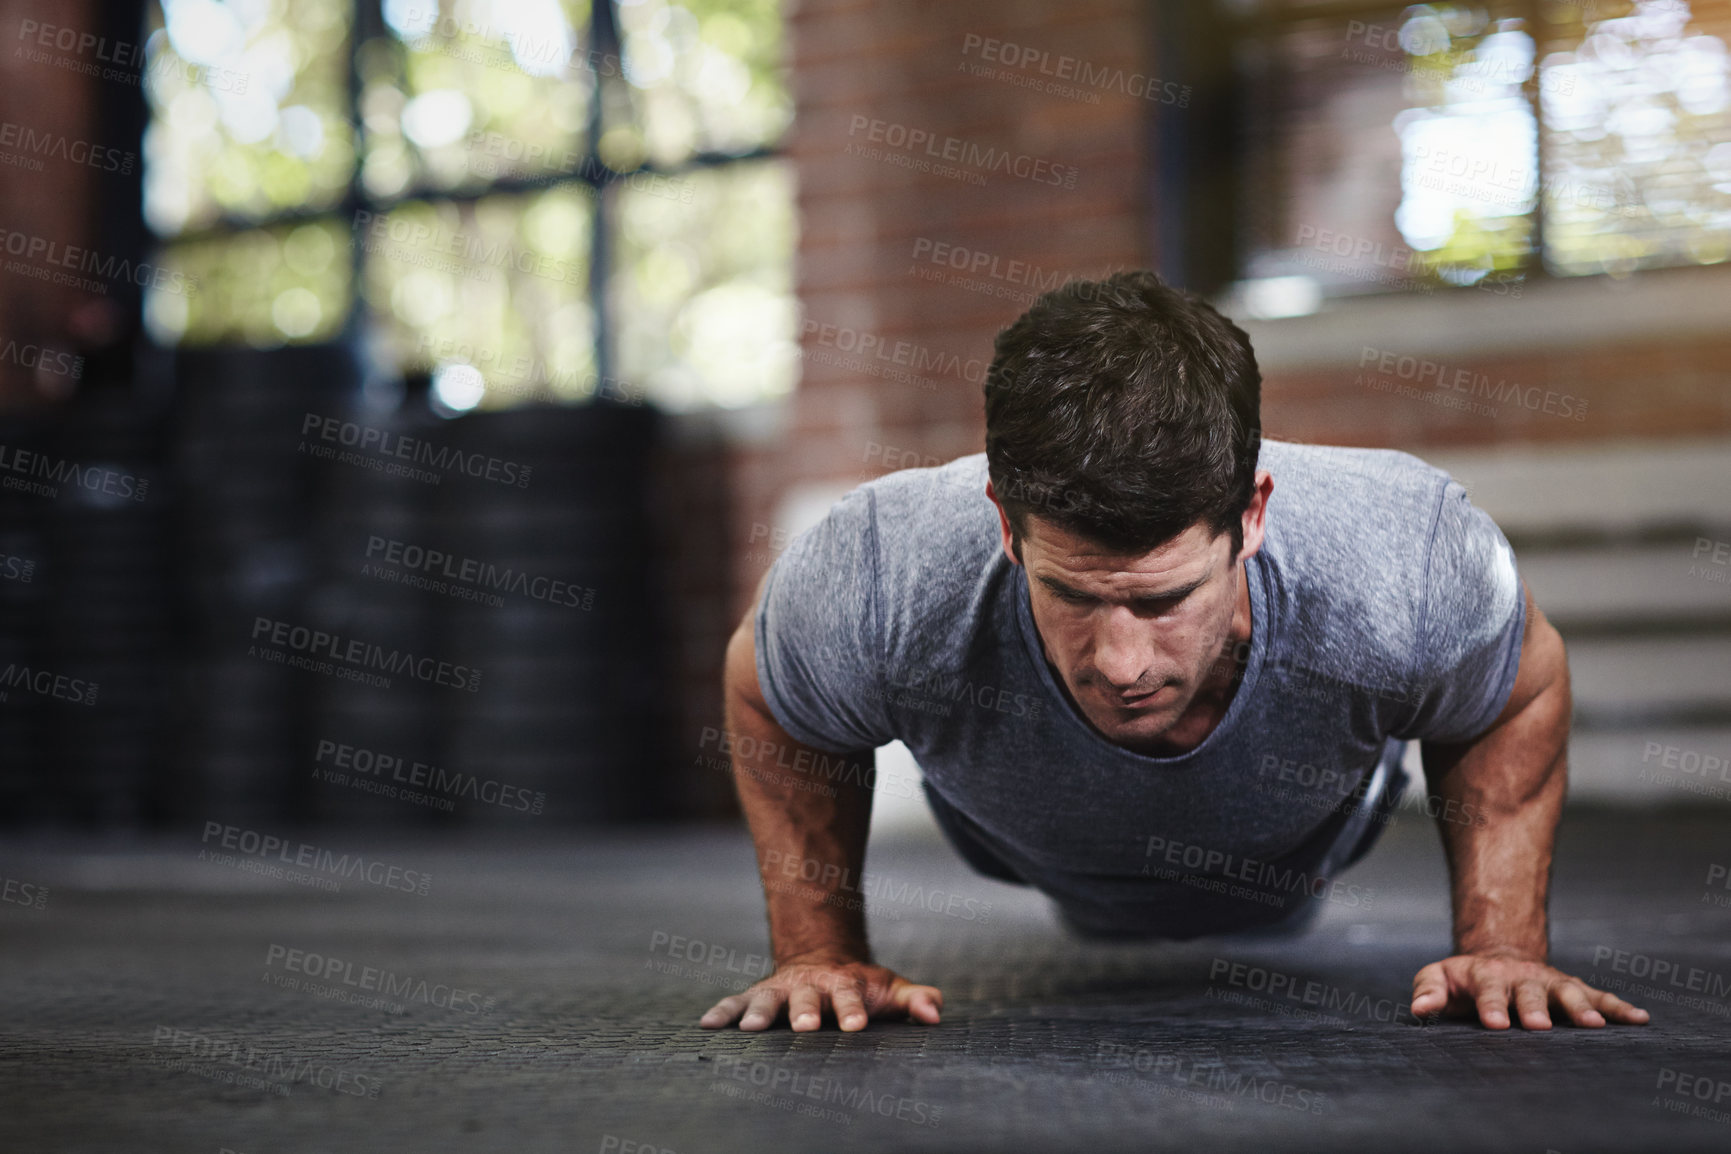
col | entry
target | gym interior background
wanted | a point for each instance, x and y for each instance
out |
(524, 335)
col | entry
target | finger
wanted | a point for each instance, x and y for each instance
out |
(723, 1012)
(765, 1005)
(1430, 991)
(850, 1011)
(1493, 1004)
(1573, 998)
(924, 1004)
(1532, 1005)
(1615, 1008)
(805, 1008)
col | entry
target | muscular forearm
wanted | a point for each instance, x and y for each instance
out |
(809, 828)
(1515, 775)
(1500, 871)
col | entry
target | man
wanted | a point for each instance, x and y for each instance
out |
(1201, 655)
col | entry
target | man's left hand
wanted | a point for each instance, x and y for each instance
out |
(1486, 984)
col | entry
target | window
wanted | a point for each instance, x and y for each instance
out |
(527, 200)
(1482, 146)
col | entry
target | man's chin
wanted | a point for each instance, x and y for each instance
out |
(1140, 724)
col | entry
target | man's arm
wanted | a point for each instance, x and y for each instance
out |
(1516, 774)
(816, 927)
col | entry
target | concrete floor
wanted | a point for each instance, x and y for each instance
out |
(545, 997)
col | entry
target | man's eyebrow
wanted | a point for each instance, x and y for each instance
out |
(1174, 594)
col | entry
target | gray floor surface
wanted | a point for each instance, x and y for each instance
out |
(542, 995)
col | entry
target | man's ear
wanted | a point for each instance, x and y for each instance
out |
(1255, 517)
(1011, 549)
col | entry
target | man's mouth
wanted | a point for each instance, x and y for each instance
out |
(1131, 701)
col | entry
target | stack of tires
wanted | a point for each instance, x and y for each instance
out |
(25, 730)
(248, 497)
(107, 630)
(572, 709)
(370, 720)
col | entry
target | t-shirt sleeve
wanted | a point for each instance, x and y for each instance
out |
(818, 633)
(1475, 612)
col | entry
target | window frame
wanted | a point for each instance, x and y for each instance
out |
(599, 37)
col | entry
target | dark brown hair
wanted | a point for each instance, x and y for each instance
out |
(1124, 411)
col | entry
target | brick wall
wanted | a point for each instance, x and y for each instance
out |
(869, 76)
(54, 203)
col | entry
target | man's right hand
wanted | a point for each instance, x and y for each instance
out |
(853, 992)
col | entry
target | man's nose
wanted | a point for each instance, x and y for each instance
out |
(1124, 649)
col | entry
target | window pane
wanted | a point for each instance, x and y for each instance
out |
(488, 295)
(702, 294)
(461, 94)
(1396, 150)
(701, 76)
(248, 109)
(263, 287)
(1637, 106)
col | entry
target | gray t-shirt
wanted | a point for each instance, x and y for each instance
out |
(1383, 604)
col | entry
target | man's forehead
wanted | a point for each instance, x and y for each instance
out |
(1057, 552)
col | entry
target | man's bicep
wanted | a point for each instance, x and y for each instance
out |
(739, 666)
(816, 649)
(1474, 627)
(1544, 662)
